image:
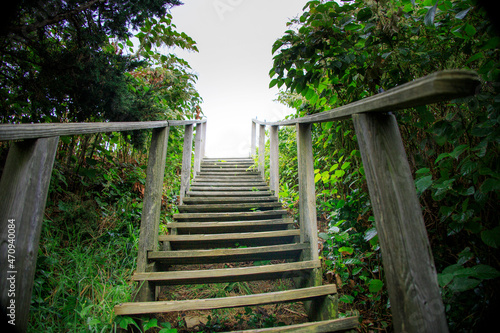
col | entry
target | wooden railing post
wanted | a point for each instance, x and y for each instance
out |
(186, 161)
(203, 139)
(252, 143)
(262, 149)
(24, 187)
(148, 238)
(307, 193)
(408, 263)
(274, 160)
(197, 149)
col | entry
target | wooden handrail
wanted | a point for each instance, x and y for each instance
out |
(409, 266)
(25, 182)
(34, 131)
(437, 87)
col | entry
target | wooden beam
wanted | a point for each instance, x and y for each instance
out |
(408, 263)
(252, 143)
(274, 182)
(203, 139)
(225, 302)
(262, 149)
(307, 194)
(186, 161)
(23, 189)
(197, 150)
(148, 238)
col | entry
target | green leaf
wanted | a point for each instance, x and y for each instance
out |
(470, 30)
(129, 43)
(462, 14)
(273, 83)
(349, 250)
(491, 237)
(346, 299)
(490, 184)
(364, 14)
(317, 177)
(324, 236)
(431, 13)
(423, 183)
(461, 284)
(375, 285)
(444, 279)
(150, 324)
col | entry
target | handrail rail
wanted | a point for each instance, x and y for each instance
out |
(407, 257)
(437, 87)
(47, 130)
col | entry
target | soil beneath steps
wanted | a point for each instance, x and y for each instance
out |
(223, 320)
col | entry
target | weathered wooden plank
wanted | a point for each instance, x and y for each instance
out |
(227, 200)
(23, 189)
(307, 194)
(325, 326)
(203, 139)
(197, 150)
(186, 122)
(408, 263)
(262, 149)
(230, 226)
(226, 194)
(252, 143)
(148, 237)
(225, 216)
(226, 302)
(228, 188)
(186, 161)
(274, 181)
(283, 251)
(437, 87)
(223, 184)
(227, 159)
(230, 173)
(266, 272)
(228, 207)
(219, 178)
(235, 236)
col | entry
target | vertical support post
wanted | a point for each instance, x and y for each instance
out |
(150, 221)
(23, 187)
(203, 139)
(408, 263)
(186, 161)
(274, 160)
(252, 143)
(307, 193)
(197, 150)
(262, 149)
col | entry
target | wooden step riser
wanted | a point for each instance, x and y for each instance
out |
(226, 200)
(200, 245)
(197, 188)
(226, 302)
(267, 272)
(230, 229)
(232, 216)
(277, 252)
(223, 184)
(263, 206)
(229, 193)
(325, 326)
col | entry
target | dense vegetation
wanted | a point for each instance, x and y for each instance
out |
(336, 54)
(94, 61)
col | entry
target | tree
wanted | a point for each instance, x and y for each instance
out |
(65, 60)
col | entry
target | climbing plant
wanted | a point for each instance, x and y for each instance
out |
(335, 54)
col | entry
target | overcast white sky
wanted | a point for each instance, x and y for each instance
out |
(235, 39)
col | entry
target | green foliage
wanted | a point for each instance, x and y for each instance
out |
(335, 54)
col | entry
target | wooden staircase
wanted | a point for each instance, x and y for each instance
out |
(229, 215)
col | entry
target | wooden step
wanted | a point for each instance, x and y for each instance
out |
(225, 179)
(253, 273)
(230, 240)
(230, 227)
(228, 168)
(228, 173)
(227, 193)
(197, 188)
(223, 184)
(227, 159)
(227, 165)
(227, 200)
(235, 216)
(225, 302)
(273, 252)
(334, 325)
(229, 207)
